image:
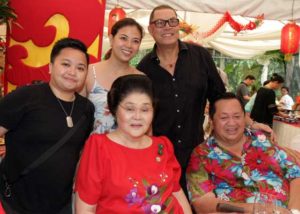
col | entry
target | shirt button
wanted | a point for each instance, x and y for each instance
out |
(176, 95)
(179, 141)
(177, 110)
(174, 79)
(179, 126)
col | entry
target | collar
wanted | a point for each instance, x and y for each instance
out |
(182, 47)
(212, 143)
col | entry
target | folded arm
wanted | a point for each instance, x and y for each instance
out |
(180, 196)
(294, 194)
(83, 208)
(208, 204)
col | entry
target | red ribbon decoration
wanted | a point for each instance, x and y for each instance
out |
(251, 25)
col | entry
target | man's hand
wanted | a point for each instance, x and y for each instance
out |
(293, 153)
(267, 129)
(2, 151)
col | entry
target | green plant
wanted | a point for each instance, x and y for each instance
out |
(7, 14)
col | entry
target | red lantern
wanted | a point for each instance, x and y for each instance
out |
(115, 15)
(289, 40)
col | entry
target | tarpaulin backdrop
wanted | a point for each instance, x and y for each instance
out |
(39, 25)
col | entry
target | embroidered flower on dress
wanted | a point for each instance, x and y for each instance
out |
(155, 208)
(151, 203)
(152, 189)
(132, 197)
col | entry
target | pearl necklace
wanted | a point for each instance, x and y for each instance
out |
(69, 118)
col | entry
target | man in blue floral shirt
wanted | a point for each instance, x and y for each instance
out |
(237, 167)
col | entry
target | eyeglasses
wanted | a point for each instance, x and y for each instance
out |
(160, 23)
(132, 110)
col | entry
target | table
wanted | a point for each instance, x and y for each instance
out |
(287, 133)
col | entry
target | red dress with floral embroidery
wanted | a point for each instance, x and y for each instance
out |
(124, 180)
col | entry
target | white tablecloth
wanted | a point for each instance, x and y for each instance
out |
(287, 134)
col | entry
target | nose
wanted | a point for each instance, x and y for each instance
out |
(129, 44)
(231, 120)
(137, 114)
(72, 70)
(167, 23)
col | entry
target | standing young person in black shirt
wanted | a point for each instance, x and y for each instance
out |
(33, 119)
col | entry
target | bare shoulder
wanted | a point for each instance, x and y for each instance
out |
(93, 68)
(136, 71)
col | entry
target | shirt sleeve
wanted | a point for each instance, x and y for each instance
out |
(198, 181)
(244, 90)
(90, 171)
(271, 103)
(289, 164)
(13, 107)
(173, 163)
(215, 83)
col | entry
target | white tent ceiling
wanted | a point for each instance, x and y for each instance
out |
(204, 15)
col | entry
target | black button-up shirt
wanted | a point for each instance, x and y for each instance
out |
(182, 97)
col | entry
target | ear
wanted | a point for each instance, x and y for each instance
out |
(50, 67)
(150, 29)
(111, 38)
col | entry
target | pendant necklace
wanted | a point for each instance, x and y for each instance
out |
(69, 119)
(171, 65)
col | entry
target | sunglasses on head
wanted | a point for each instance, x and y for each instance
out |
(160, 23)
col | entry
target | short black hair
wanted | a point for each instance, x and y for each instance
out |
(286, 88)
(266, 82)
(68, 43)
(124, 86)
(276, 78)
(224, 96)
(251, 77)
(160, 7)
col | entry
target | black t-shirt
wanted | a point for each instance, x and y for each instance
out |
(182, 97)
(264, 106)
(36, 121)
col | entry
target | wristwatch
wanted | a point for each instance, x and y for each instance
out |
(295, 211)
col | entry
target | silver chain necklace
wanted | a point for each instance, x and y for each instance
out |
(69, 119)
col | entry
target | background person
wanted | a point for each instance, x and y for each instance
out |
(33, 119)
(242, 91)
(286, 102)
(236, 166)
(250, 103)
(127, 171)
(265, 106)
(125, 39)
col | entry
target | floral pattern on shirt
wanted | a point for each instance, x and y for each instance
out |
(104, 121)
(263, 168)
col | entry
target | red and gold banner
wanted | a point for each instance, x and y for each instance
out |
(40, 23)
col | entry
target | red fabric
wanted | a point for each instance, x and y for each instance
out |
(123, 180)
(1, 209)
(82, 20)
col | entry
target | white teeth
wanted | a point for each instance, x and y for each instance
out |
(167, 35)
(126, 51)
